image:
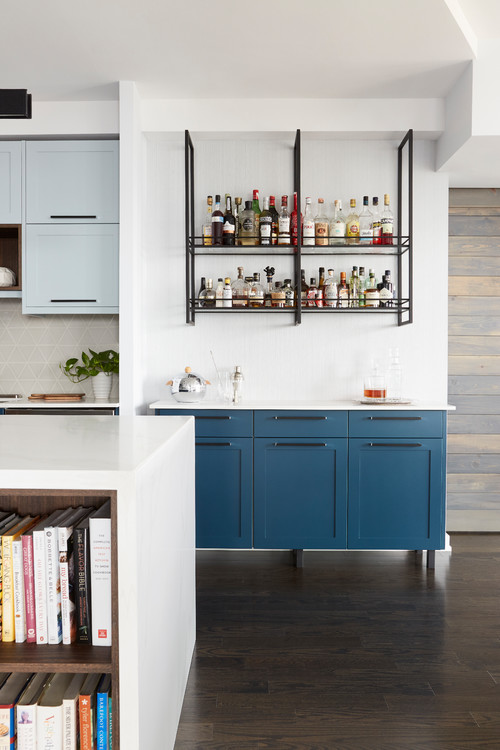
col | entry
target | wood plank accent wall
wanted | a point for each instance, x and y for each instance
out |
(474, 360)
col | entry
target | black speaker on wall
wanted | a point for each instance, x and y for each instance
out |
(15, 104)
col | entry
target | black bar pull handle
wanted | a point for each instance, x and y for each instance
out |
(213, 417)
(301, 445)
(70, 216)
(395, 445)
(213, 444)
(73, 300)
(308, 418)
(398, 419)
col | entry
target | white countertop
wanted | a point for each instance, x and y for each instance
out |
(26, 403)
(302, 405)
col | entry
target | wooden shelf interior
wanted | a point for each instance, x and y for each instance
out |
(10, 253)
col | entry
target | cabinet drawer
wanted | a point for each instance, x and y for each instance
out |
(216, 422)
(300, 424)
(395, 424)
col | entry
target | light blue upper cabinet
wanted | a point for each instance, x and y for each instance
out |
(72, 182)
(10, 182)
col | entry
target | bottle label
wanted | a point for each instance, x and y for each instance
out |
(387, 226)
(321, 229)
(217, 219)
(353, 229)
(319, 298)
(365, 235)
(228, 228)
(344, 298)
(265, 229)
(372, 298)
(248, 225)
(308, 232)
(284, 225)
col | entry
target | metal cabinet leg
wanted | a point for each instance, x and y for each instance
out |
(431, 558)
(298, 558)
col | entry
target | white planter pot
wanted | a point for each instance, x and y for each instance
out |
(101, 385)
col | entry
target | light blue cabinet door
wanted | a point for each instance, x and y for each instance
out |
(72, 181)
(396, 493)
(10, 182)
(71, 269)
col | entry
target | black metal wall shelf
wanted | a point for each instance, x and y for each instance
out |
(402, 247)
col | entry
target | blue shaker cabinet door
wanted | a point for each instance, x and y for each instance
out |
(300, 493)
(224, 492)
(396, 490)
(10, 182)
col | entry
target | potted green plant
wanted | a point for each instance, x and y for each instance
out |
(100, 366)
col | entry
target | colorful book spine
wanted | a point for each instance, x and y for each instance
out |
(19, 605)
(102, 702)
(100, 574)
(26, 727)
(54, 623)
(8, 623)
(86, 727)
(29, 588)
(82, 586)
(49, 727)
(7, 727)
(66, 574)
(40, 586)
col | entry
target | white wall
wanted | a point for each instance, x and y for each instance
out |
(326, 356)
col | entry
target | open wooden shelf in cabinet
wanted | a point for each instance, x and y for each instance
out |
(10, 255)
(31, 657)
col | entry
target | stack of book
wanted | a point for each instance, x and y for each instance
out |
(55, 576)
(55, 711)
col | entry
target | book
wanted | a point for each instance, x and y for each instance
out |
(8, 536)
(70, 712)
(10, 691)
(40, 575)
(26, 713)
(8, 524)
(49, 712)
(82, 581)
(100, 574)
(66, 573)
(29, 581)
(18, 584)
(87, 712)
(102, 709)
(53, 582)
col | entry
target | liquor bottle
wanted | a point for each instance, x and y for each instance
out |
(257, 212)
(308, 232)
(385, 290)
(295, 227)
(376, 225)
(388, 278)
(247, 225)
(311, 293)
(217, 223)
(354, 288)
(337, 225)
(330, 292)
(284, 223)
(321, 287)
(207, 224)
(321, 224)
(219, 293)
(227, 293)
(372, 294)
(275, 215)
(352, 225)
(303, 288)
(268, 295)
(394, 376)
(362, 285)
(229, 226)
(240, 289)
(365, 224)
(343, 291)
(237, 214)
(387, 222)
(203, 286)
(289, 293)
(266, 224)
(256, 294)
(278, 295)
(207, 296)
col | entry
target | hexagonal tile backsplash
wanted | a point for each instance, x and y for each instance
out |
(32, 347)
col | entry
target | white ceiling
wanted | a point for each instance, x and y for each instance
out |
(64, 50)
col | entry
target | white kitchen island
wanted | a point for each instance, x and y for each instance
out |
(146, 467)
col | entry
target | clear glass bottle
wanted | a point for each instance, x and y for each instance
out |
(217, 223)
(219, 293)
(229, 225)
(278, 295)
(352, 225)
(247, 225)
(387, 222)
(362, 285)
(342, 291)
(207, 224)
(321, 228)
(365, 224)
(289, 293)
(257, 292)
(275, 215)
(227, 293)
(284, 223)
(237, 213)
(372, 294)
(240, 288)
(266, 224)
(376, 225)
(308, 232)
(394, 376)
(207, 296)
(337, 225)
(257, 212)
(375, 388)
(295, 222)
(330, 292)
(354, 288)
(268, 294)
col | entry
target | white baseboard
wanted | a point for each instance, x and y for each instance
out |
(473, 520)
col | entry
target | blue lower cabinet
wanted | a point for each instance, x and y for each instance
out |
(396, 491)
(224, 490)
(300, 493)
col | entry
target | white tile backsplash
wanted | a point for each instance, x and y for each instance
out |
(31, 348)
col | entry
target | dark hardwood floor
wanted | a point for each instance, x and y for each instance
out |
(356, 651)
